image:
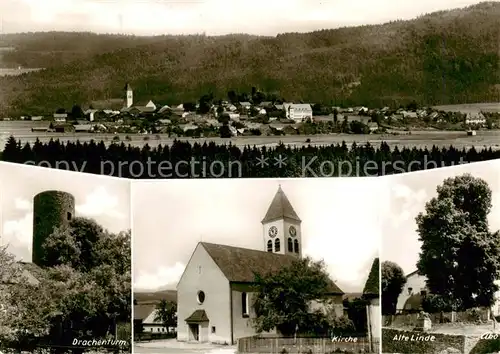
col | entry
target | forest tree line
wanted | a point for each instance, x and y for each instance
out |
(185, 160)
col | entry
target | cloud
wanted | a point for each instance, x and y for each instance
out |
(19, 231)
(23, 204)
(407, 201)
(163, 277)
(100, 203)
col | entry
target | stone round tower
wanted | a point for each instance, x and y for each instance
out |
(51, 209)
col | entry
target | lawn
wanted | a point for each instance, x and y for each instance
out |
(459, 328)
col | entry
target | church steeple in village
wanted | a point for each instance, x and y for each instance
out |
(129, 96)
(281, 227)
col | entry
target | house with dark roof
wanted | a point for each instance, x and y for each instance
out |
(216, 292)
(145, 314)
(373, 311)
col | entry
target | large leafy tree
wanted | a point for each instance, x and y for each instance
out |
(284, 298)
(85, 290)
(393, 281)
(10, 273)
(460, 255)
(166, 313)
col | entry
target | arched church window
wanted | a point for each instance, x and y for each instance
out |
(296, 246)
(277, 245)
(269, 246)
(290, 245)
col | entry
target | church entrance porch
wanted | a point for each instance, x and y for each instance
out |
(198, 326)
(194, 332)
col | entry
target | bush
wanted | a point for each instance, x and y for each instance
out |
(343, 325)
(473, 315)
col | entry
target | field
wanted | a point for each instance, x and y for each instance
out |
(416, 139)
(14, 72)
(419, 139)
(471, 107)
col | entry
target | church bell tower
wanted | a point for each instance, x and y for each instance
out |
(129, 96)
(281, 227)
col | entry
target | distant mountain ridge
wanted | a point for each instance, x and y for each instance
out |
(446, 57)
(154, 297)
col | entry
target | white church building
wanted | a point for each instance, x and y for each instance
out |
(215, 292)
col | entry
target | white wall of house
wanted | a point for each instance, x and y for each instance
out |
(242, 324)
(203, 274)
(375, 318)
(414, 284)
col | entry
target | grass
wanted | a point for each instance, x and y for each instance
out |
(416, 139)
(471, 107)
(467, 329)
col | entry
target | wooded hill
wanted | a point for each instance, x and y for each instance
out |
(446, 57)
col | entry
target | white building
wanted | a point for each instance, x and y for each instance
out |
(129, 96)
(475, 118)
(216, 292)
(415, 285)
(298, 112)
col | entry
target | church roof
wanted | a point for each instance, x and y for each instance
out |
(241, 264)
(127, 87)
(280, 208)
(197, 317)
(372, 283)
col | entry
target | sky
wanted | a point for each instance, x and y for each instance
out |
(340, 223)
(408, 194)
(104, 199)
(214, 17)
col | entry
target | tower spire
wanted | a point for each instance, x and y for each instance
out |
(280, 208)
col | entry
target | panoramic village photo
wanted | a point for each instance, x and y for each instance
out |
(440, 267)
(65, 278)
(256, 266)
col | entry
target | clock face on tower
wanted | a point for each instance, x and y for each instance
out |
(273, 231)
(293, 231)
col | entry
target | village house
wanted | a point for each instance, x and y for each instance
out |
(475, 118)
(298, 111)
(145, 314)
(246, 105)
(90, 113)
(410, 298)
(164, 109)
(414, 288)
(217, 288)
(60, 117)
